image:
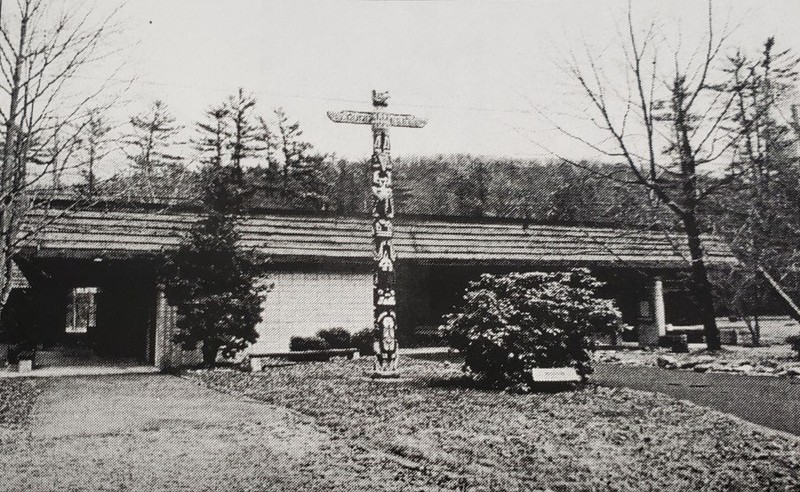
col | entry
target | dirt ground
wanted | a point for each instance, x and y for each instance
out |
(154, 432)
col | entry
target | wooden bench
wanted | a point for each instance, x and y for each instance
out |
(258, 360)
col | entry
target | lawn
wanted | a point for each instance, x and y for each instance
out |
(594, 438)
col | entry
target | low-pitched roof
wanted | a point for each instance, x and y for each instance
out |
(293, 237)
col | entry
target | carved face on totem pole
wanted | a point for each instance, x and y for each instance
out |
(385, 256)
(380, 99)
(380, 141)
(386, 297)
(382, 163)
(386, 330)
(383, 207)
(382, 229)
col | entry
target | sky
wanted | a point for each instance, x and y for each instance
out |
(487, 75)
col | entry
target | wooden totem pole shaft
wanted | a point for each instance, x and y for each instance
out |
(384, 295)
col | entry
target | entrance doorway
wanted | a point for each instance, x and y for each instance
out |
(90, 313)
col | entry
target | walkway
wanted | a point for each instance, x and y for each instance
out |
(158, 432)
(769, 401)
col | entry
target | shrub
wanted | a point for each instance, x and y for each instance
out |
(794, 341)
(364, 341)
(510, 324)
(299, 344)
(337, 338)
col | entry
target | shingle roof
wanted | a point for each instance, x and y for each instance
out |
(296, 237)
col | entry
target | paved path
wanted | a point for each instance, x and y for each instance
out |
(769, 401)
(158, 432)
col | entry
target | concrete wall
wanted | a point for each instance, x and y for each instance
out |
(304, 302)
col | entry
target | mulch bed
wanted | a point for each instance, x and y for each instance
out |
(593, 438)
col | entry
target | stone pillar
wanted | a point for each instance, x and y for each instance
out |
(652, 319)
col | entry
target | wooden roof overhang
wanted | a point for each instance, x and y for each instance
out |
(296, 238)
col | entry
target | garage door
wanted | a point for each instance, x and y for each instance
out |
(302, 303)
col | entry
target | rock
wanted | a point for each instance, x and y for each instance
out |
(666, 362)
(745, 368)
(704, 359)
(793, 371)
(702, 367)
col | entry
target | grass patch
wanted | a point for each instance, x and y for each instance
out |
(590, 439)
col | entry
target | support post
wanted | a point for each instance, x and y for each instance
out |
(652, 317)
(660, 317)
(162, 330)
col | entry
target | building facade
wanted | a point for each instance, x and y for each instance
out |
(89, 278)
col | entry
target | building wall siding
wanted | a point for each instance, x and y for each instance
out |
(302, 303)
(167, 354)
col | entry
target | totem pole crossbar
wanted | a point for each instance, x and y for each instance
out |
(383, 292)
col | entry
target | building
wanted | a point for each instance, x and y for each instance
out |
(89, 277)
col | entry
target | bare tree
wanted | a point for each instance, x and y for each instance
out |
(44, 47)
(665, 121)
(758, 216)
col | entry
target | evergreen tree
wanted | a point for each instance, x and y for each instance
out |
(306, 176)
(211, 279)
(96, 142)
(244, 138)
(152, 144)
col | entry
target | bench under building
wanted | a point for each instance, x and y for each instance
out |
(87, 279)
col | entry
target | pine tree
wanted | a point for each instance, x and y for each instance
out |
(244, 137)
(96, 142)
(211, 279)
(306, 176)
(152, 144)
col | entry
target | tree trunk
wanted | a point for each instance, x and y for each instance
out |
(700, 284)
(210, 351)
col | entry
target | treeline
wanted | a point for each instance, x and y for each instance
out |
(281, 170)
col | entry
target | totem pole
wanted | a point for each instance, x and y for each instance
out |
(384, 296)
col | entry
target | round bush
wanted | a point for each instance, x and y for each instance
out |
(364, 341)
(337, 338)
(510, 324)
(301, 344)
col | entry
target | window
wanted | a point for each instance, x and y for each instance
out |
(82, 310)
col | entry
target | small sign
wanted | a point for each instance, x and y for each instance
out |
(555, 375)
